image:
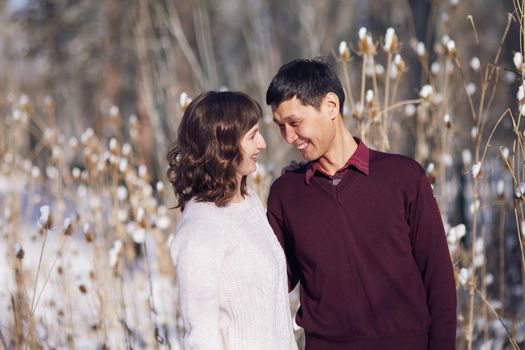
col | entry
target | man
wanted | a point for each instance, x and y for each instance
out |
(361, 229)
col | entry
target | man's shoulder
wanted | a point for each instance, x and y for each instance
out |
(399, 172)
(292, 179)
(293, 173)
(395, 164)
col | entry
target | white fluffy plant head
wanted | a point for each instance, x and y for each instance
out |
(476, 170)
(362, 33)
(184, 101)
(369, 96)
(475, 64)
(45, 220)
(426, 92)
(421, 50)
(391, 41)
(344, 51)
(520, 96)
(366, 44)
(456, 233)
(466, 156)
(500, 188)
(518, 61)
(114, 253)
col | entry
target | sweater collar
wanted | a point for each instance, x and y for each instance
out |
(359, 159)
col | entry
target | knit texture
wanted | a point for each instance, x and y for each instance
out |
(231, 273)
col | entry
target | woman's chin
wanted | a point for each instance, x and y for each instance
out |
(247, 172)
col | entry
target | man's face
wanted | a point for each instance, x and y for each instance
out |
(305, 127)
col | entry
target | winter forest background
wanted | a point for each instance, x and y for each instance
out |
(91, 94)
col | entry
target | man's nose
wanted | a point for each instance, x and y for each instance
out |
(289, 134)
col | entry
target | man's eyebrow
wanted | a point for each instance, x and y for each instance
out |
(285, 119)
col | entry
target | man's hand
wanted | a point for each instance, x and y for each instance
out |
(292, 166)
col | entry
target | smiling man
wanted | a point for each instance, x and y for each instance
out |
(361, 229)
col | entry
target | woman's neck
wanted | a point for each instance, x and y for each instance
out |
(238, 197)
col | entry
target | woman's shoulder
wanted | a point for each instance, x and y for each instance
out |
(200, 214)
(194, 209)
(201, 217)
(199, 226)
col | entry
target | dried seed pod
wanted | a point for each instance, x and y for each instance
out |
(46, 218)
(391, 41)
(68, 227)
(19, 252)
(344, 51)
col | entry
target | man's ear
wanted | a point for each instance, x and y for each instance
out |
(332, 103)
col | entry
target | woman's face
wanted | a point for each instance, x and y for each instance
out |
(251, 145)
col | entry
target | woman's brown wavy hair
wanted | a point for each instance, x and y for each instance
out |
(204, 158)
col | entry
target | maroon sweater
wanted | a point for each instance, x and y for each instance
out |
(370, 253)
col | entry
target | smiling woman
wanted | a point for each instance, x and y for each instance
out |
(251, 145)
(207, 162)
(231, 270)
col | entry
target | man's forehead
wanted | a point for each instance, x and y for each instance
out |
(275, 106)
(286, 104)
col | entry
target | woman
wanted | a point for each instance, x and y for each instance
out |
(231, 269)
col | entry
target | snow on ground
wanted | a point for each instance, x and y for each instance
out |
(82, 288)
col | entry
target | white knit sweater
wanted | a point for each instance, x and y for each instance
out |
(231, 273)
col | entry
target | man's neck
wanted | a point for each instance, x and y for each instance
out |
(343, 147)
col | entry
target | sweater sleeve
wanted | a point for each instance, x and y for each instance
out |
(198, 257)
(432, 256)
(275, 217)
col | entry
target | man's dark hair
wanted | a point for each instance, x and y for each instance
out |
(308, 80)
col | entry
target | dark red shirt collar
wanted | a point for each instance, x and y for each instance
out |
(359, 160)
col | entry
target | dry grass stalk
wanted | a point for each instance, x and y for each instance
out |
(112, 190)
